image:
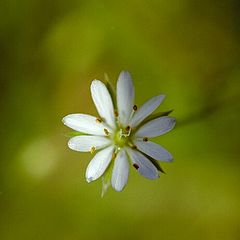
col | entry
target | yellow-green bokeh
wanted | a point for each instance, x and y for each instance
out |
(52, 50)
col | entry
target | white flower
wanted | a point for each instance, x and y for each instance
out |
(121, 134)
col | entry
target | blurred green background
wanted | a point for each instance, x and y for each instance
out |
(50, 51)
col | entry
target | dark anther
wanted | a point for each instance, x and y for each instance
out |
(128, 128)
(114, 155)
(136, 166)
(98, 120)
(106, 131)
(116, 113)
(92, 150)
(135, 107)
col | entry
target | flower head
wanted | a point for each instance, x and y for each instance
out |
(120, 136)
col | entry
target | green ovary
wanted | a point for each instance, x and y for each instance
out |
(120, 139)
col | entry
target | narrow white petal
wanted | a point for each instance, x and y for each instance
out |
(120, 171)
(99, 164)
(156, 127)
(103, 102)
(142, 164)
(86, 143)
(86, 124)
(153, 150)
(146, 109)
(125, 97)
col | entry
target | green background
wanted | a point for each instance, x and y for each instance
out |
(50, 51)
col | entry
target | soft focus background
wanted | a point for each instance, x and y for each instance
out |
(49, 53)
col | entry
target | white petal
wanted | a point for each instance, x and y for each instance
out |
(153, 150)
(103, 102)
(86, 143)
(99, 164)
(145, 110)
(142, 164)
(120, 171)
(125, 97)
(156, 127)
(86, 124)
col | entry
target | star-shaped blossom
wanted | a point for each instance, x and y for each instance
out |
(121, 134)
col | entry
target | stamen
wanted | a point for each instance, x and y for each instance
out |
(134, 147)
(135, 108)
(99, 120)
(106, 131)
(145, 139)
(114, 155)
(92, 150)
(116, 114)
(136, 166)
(128, 128)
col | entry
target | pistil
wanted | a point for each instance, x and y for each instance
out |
(121, 137)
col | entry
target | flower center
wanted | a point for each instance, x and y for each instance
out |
(121, 137)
